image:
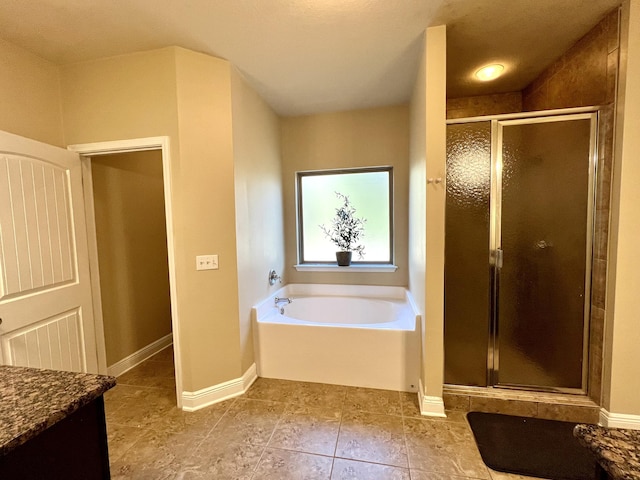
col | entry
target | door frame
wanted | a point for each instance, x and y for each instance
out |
(495, 240)
(88, 150)
(594, 174)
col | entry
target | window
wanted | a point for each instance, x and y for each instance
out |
(370, 192)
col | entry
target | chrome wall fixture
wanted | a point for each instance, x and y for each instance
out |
(274, 277)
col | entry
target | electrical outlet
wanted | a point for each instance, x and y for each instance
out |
(207, 262)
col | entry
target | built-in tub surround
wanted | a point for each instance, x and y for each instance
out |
(363, 336)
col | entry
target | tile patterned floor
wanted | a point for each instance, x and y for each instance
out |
(283, 430)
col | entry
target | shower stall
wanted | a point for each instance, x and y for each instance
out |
(519, 226)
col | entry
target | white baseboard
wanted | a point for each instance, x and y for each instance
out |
(430, 406)
(619, 420)
(192, 401)
(140, 356)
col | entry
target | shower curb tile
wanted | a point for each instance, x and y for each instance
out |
(455, 401)
(499, 405)
(569, 413)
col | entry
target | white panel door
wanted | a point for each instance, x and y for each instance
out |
(45, 291)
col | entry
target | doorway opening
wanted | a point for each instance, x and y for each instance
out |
(127, 186)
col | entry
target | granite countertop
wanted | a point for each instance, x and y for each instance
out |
(32, 400)
(616, 449)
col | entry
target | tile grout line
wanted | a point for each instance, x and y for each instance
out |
(233, 402)
(266, 445)
(335, 449)
(404, 436)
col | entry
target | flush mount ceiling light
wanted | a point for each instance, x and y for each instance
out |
(489, 72)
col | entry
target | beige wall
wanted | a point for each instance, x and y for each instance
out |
(132, 251)
(426, 234)
(622, 355)
(116, 98)
(30, 95)
(208, 300)
(258, 194)
(187, 97)
(372, 137)
(426, 211)
(435, 127)
(418, 196)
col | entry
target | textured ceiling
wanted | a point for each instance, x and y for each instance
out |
(308, 56)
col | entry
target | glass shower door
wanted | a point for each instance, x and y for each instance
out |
(541, 242)
(467, 274)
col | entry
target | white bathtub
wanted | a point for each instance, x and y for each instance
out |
(365, 336)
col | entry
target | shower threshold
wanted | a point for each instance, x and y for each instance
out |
(552, 406)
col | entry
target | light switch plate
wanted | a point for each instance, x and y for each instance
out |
(207, 262)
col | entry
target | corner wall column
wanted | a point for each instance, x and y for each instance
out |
(436, 146)
(621, 382)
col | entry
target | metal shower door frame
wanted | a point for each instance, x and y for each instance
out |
(495, 241)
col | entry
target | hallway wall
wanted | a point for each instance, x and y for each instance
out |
(186, 96)
(132, 251)
(30, 95)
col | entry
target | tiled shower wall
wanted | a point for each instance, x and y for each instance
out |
(585, 75)
(484, 105)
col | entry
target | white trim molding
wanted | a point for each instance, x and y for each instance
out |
(353, 268)
(192, 401)
(430, 406)
(619, 420)
(88, 150)
(140, 356)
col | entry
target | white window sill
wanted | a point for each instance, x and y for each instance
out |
(357, 268)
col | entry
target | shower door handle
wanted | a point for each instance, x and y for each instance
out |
(496, 258)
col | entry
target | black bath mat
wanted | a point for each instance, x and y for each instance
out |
(531, 446)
